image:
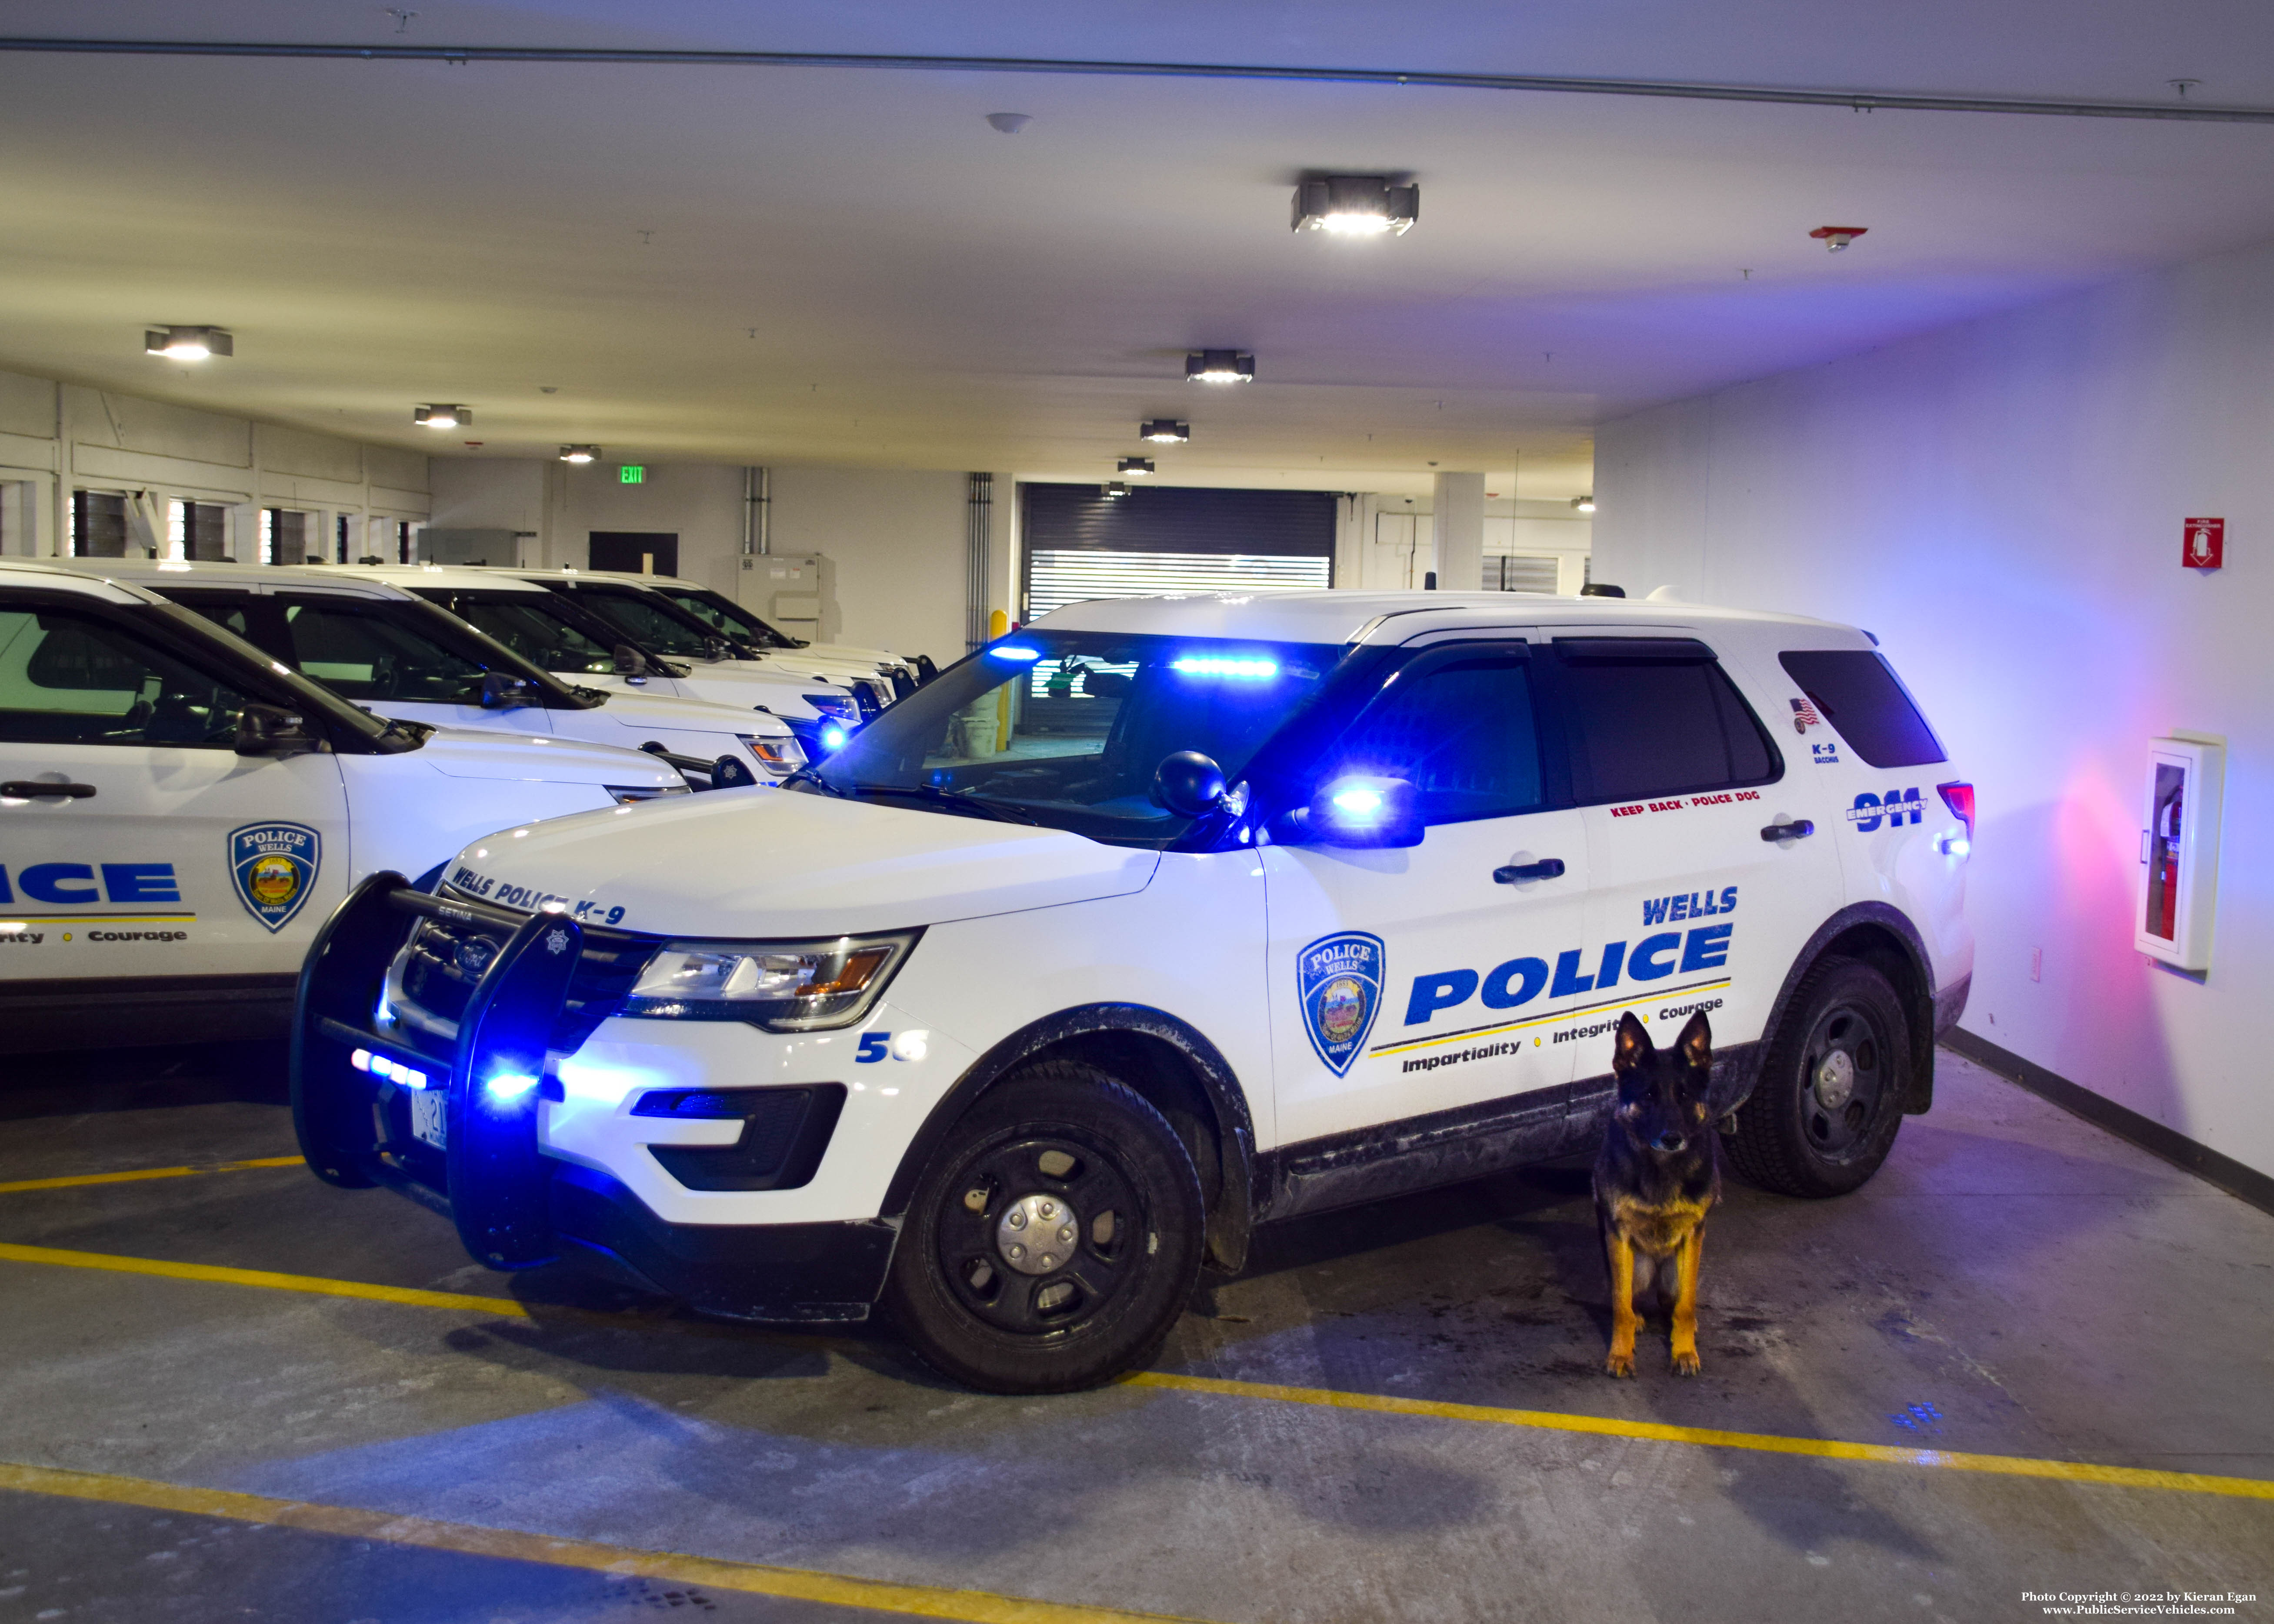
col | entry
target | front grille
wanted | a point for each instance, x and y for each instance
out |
(435, 974)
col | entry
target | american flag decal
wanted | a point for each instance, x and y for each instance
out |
(1804, 713)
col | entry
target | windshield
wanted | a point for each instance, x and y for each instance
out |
(312, 697)
(649, 620)
(1066, 728)
(533, 627)
(411, 652)
(716, 609)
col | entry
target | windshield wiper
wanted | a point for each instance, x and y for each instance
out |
(939, 796)
(810, 773)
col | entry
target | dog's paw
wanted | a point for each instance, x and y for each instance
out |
(1685, 1364)
(1620, 1364)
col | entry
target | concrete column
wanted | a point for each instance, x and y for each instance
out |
(1458, 521)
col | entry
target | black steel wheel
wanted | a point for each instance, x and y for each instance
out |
(1830, 1098)
(1053, 1238)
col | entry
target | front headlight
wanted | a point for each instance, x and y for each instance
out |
(779, 757)
(780, 986)
(625, 793)
(843, 707)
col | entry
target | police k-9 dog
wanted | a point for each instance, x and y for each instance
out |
(1658, 1176)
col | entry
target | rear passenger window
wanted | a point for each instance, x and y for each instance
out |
(1859, 694)
(1656, 715)
(1459, 728)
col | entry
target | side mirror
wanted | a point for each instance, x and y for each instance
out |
(1355, 812)
(630, 661)
(271, 730)
(718, 647)
(1106, 684)
(1188, 784)
(500, 690)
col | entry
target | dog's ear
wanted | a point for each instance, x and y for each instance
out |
(1632, 1047)
(1697, 1043)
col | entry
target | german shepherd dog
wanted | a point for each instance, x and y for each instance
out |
(1658, 1176)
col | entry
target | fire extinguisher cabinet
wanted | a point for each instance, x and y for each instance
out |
(2179, 852)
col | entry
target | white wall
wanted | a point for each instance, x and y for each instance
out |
(2002, 504)
(895, 543)
(57, 438)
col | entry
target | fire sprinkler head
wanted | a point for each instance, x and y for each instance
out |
(1837, 238)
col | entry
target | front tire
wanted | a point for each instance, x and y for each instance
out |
(1824, 1114)
(1052, 1239)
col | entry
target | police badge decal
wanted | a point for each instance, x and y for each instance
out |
(1339, 979)
(274, 867)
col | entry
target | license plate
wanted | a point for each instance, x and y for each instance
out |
(428, 1121)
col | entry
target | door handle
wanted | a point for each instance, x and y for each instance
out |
(1545, 869)
(1794, 831)
(31, 789)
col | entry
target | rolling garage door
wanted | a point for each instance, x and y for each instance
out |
(1080, 544)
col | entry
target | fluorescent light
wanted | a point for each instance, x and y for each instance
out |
(1165, 430)
(441, 417)
(1583, 504)
(1113, 489)
(1135, 468)
(580, 454)
(1219, 366)
(187, 343)
(1356, 206)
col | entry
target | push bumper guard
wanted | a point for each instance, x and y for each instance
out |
(515, 1207)
(355, 1120)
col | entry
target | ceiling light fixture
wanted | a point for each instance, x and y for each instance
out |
(1165, 430)
(1135, 468)
(1356, 206)
(1583, 504)
(580, 454)
(442, 416)
(1113, 489)
(1837, 238)
(187, 343)
(1219, 366)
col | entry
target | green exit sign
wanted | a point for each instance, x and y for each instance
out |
(632, 473)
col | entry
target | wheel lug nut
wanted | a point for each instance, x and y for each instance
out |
(1018, 1219)
(1017, 1252)
(1047, 1209)
(1049, 1262)
(1065, 1235)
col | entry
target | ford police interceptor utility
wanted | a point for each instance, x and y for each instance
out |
(178, 812)
(716, 609)
(376, 645)
(563, 634)
(1156, 920)
(662, 621)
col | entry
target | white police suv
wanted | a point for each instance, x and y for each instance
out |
(1157, 920)
(661, 621)
(563, 633)
(377, 645)
(179, 812)
(771, 643)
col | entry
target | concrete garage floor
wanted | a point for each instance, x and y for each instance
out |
(2015, 1283)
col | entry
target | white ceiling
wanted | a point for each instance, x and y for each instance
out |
(849, 265)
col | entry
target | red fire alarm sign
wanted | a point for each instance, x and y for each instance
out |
(2204, 545)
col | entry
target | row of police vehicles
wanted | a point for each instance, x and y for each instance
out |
(1000, 999)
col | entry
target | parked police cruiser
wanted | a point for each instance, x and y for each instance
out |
(179, 812)
(564, 633)
(377, 645)
(1156, 920)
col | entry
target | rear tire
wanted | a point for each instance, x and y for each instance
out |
(1052, 1239)
(1824, 1111)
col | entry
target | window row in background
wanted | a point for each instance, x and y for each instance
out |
(101, 527)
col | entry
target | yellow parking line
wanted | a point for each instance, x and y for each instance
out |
(314, 1284)
(516, 1546)
(1328, 1398)
(77, 1179)
(1610, 1427)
